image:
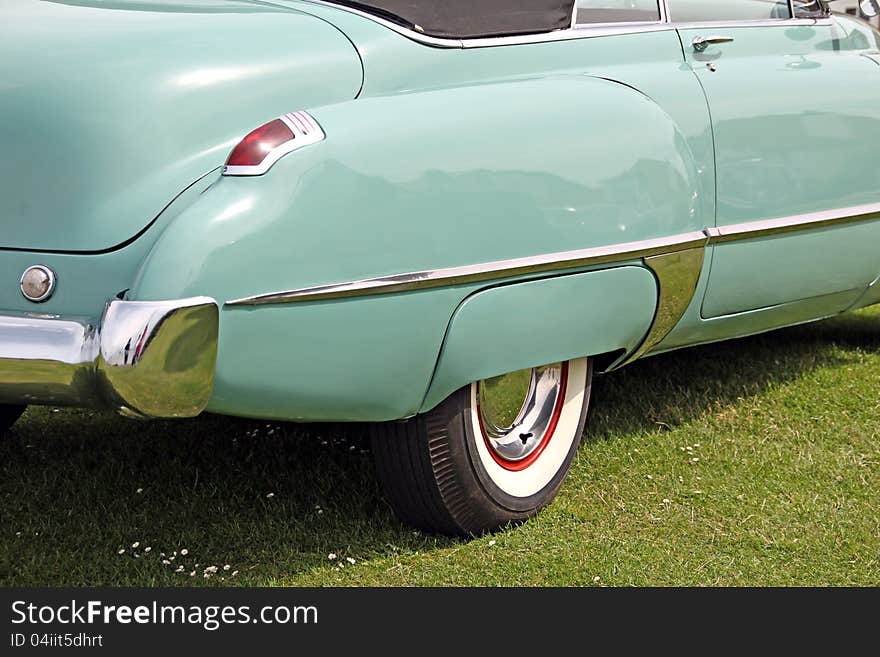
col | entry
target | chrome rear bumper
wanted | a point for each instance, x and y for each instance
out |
(146, 358)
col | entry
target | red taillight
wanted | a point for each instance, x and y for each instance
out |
(262, 148)
(254, 148)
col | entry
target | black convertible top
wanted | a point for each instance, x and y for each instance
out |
(464, 19)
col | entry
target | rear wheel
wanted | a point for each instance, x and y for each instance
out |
(495, 452)
(8, 416)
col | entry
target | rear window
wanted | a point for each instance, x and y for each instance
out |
(591, 12)
(701, 11)
(465, 19)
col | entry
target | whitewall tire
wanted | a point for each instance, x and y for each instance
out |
(495, 452)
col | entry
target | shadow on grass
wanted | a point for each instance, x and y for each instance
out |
(674, 388)
(274, 500)
(271, 500)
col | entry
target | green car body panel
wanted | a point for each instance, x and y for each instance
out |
(410, 203)
(494, 320)
(785, 150)
(436, 157)
(110, 109)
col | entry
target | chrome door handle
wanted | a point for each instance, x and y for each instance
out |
(700, 44)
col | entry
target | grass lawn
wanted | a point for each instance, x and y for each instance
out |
(754, 462)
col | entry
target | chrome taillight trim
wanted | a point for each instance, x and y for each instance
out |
(306, 131)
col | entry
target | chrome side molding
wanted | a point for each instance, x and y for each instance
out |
(553, 262)
(558, 262)
(770, 227)
(145, 359)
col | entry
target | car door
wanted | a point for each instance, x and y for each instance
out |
(795, 104)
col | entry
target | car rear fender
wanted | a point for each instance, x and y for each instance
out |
(415, 183)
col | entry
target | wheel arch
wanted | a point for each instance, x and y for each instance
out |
(528, 324)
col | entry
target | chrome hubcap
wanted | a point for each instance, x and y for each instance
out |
(518, 410)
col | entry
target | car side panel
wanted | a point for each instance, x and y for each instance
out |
(752, 322)
(442, 179)
(797, 117)
(650, 62)
(815, 263)
(407, 183)
(353, 360)
(870, 296)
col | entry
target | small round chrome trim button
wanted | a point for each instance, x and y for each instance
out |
(37, 283)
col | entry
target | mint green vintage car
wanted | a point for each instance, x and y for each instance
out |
(439, 218)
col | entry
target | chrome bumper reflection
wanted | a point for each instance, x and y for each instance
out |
(146, 359)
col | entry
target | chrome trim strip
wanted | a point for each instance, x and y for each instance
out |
(782, 22)
(770, 227)
(678, 276)
(145, 359)
(565, 260)
(592, 30)
(583, 31)
(483, 272)
(662, 10)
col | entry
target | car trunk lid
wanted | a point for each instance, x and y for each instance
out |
(108, 110)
